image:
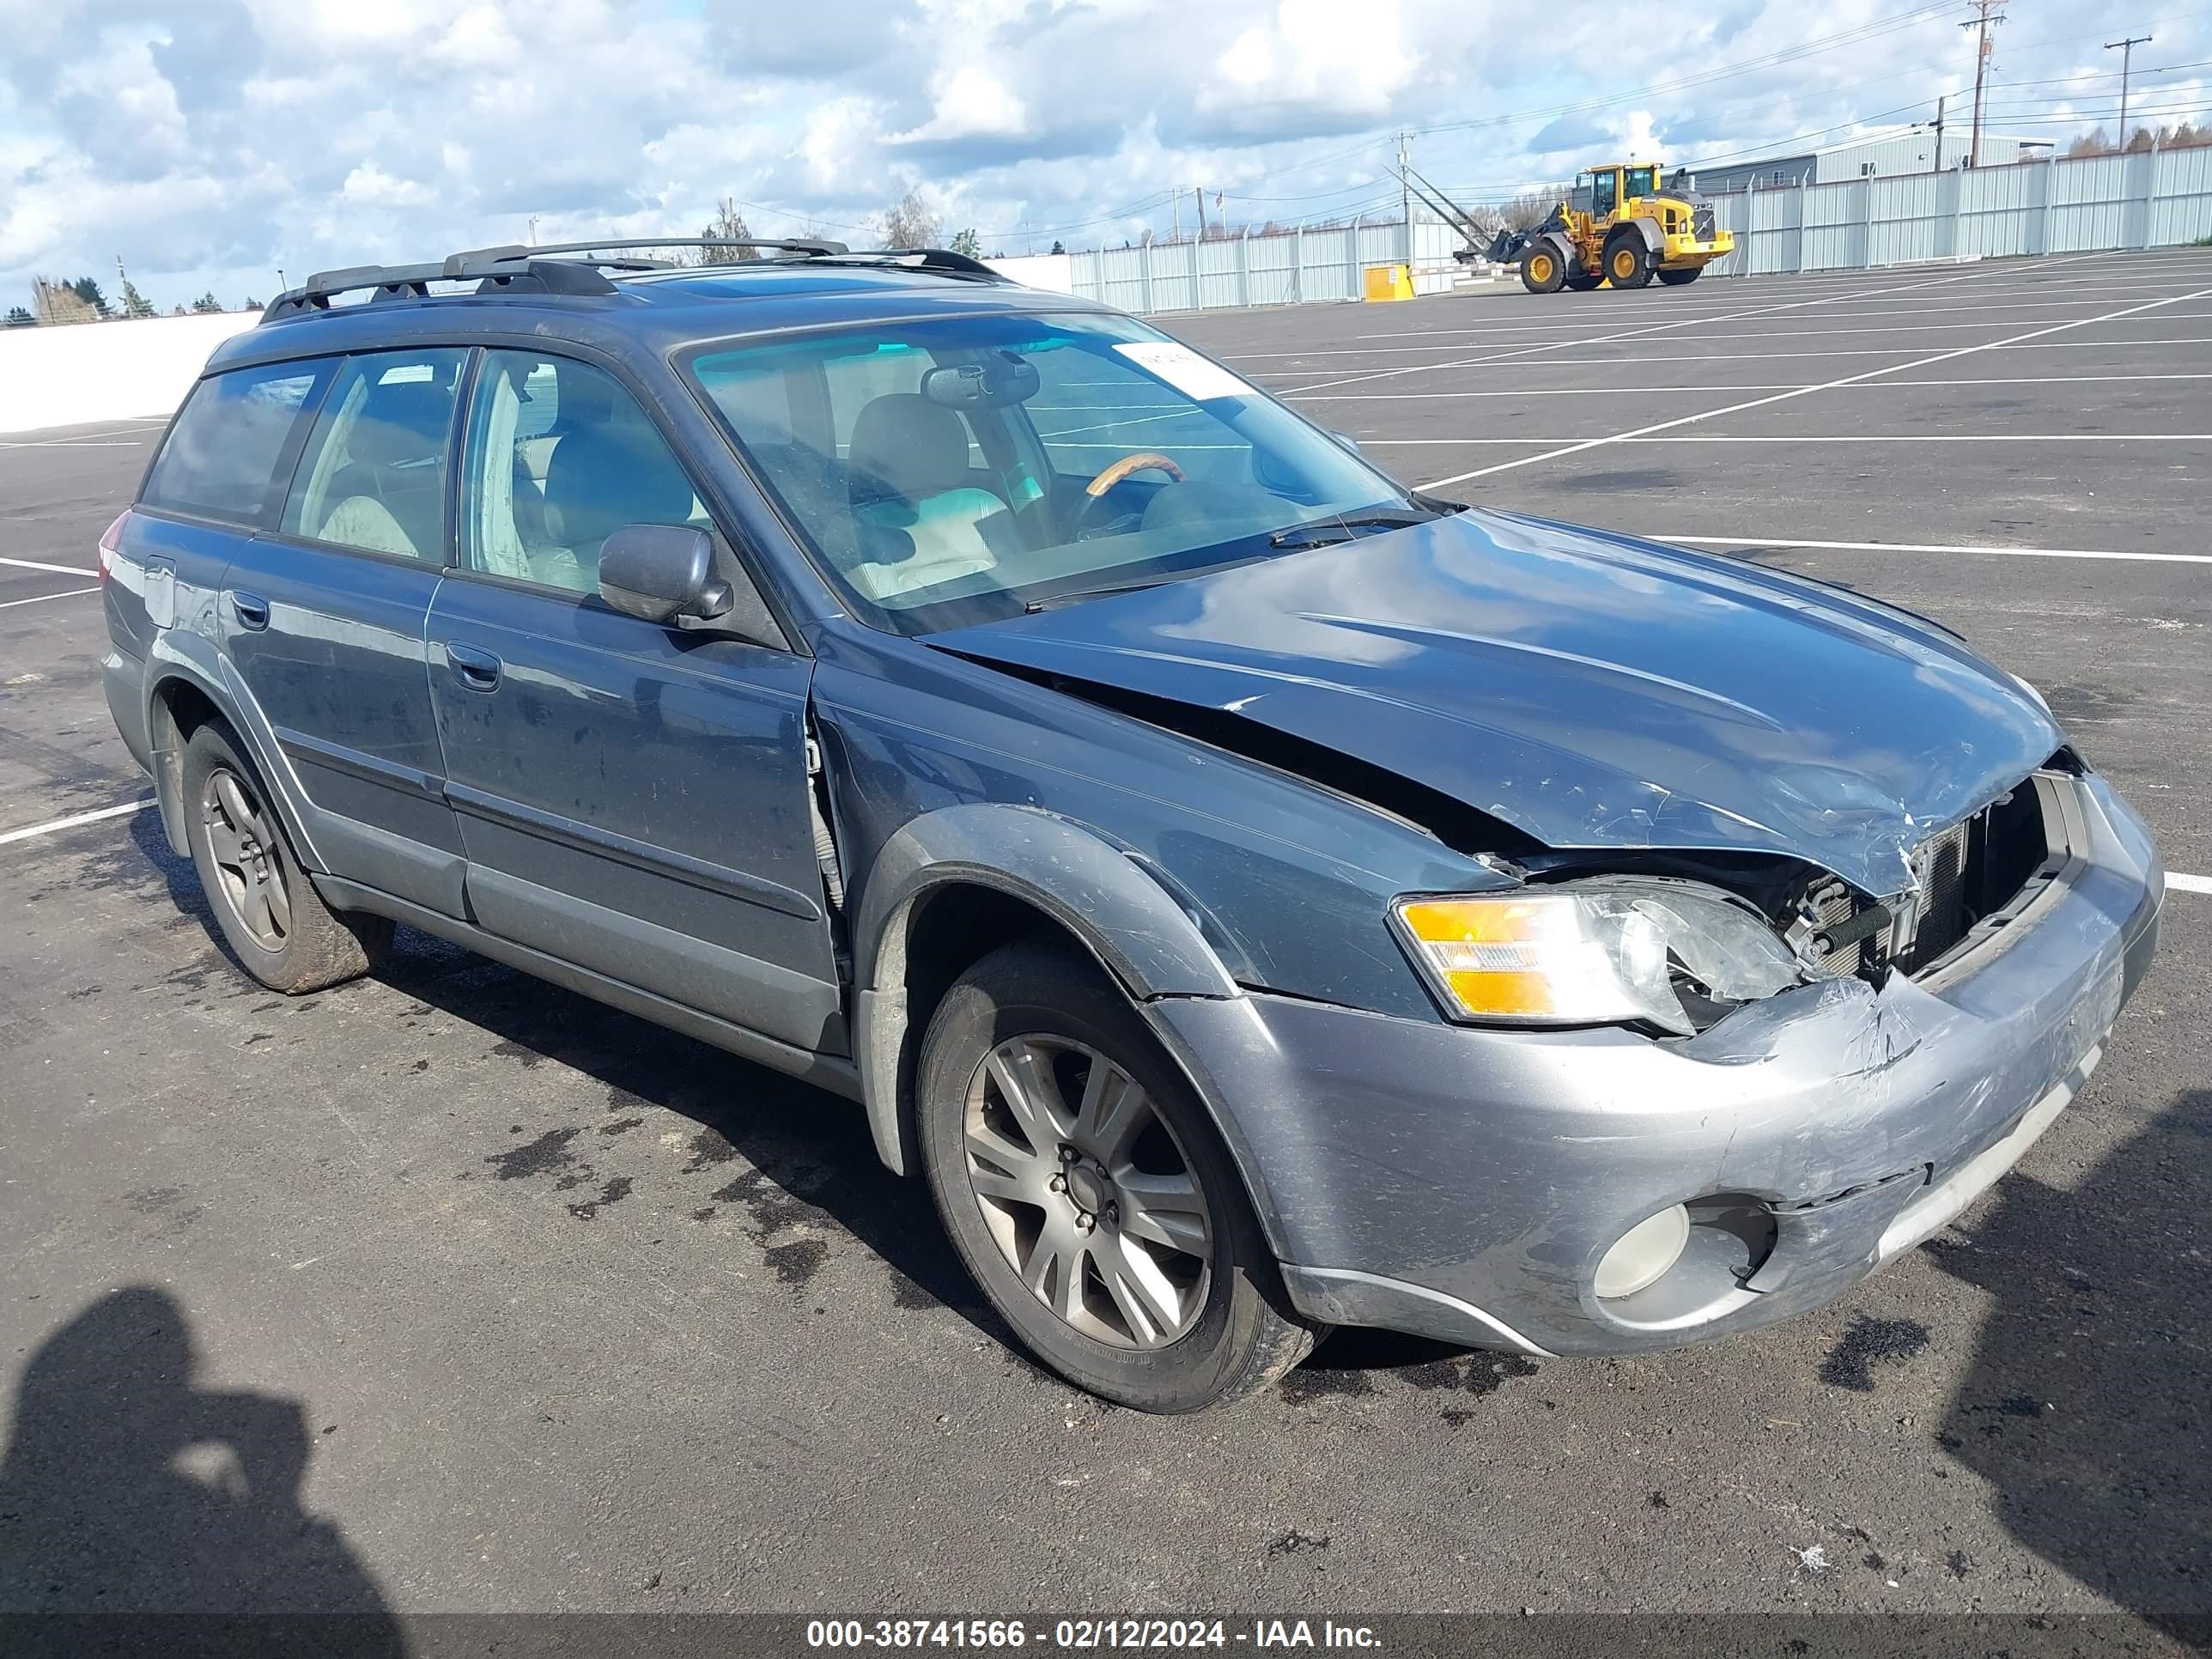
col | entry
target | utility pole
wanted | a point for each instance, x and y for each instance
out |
(1177, 209)
(1198, 190)
(1986, 12)
(1939, 135)
(1406, 192)
(2127, 49)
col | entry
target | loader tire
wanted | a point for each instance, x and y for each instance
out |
(1678, 278)
(1627, 262)
(1542, 271)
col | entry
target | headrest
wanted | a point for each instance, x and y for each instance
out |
(405, 421)
(600, 479)
(906, 447)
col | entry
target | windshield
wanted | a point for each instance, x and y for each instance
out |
(956, 471)
(1644, 182)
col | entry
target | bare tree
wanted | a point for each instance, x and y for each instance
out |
(2094, 142)
(910, 221)
(1529, 209)
(59, 302)
(727, 225)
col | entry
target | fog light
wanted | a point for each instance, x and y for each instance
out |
(1641, 1256)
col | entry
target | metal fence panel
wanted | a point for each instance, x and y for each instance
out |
(2149, 198)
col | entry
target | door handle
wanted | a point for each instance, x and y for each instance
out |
(479, 670)
(253, 610)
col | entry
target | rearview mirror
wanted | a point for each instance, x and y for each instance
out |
(1001, 378)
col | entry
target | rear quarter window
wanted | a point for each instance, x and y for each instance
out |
(223, 453)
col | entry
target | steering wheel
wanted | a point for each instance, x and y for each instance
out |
(1095, 491)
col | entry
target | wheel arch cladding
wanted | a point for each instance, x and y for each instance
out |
(953, 884)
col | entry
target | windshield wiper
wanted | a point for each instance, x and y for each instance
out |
(1345, 527)
(1077, 595)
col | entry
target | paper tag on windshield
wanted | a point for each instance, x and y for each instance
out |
(1184, 369)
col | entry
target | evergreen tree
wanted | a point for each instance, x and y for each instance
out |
(207, 304)
(134, 302)
(966, 241)
(19, 318)
(87, 288)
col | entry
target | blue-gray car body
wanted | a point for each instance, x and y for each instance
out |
(1219, 787)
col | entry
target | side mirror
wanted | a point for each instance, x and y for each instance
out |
(662, 573)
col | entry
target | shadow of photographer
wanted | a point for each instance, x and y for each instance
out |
(127, 1488)
(2087, 1406)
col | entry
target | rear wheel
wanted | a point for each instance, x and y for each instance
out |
(1677, 278)
(1582, 282)
(267, 907)
(1086, 1189)
(1627, 261)
(1542, 271)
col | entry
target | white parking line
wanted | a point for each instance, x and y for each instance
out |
(71, 822)
(1261, 376)
(1938, 547)
(1742, 334)
(1826, 438)
(1523, 353)
(1874, 309)
(1784, 397)
(1670, 390)
(59, 569)
(40, 598)
(2188, 883)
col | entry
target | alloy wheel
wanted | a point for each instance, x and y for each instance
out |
(248, 857)
(1087, 1193)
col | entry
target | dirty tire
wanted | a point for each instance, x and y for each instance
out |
(1242, 1333)
(1627, 261)
(1582, 282)
(1679, 278)
(289, 940)
(1542, 271)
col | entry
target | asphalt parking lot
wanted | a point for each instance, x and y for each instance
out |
(447, 1291)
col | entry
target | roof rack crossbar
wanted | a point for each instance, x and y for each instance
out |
(573, 268)
(619, 245)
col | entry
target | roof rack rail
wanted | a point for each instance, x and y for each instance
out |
(574, 267)
(942, 259)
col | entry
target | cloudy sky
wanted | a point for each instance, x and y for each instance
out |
(208, 142)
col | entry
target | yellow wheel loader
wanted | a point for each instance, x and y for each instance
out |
(1632, 229)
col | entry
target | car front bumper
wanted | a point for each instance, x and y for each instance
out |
(1464, 1183)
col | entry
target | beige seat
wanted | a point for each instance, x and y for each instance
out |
(921, 521)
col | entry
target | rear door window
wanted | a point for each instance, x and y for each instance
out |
(373, 475)
(225, 455)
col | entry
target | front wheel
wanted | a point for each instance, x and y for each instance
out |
(1087, 1191)
(1627, 261)
(1542, 271)
(1678, 278)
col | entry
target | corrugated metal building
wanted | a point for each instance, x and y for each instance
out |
(1870, 155)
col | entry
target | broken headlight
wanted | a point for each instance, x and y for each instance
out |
(1599, 952)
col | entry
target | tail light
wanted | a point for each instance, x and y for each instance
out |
(109, 542)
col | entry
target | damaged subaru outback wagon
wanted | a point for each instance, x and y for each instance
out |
(1255, 896)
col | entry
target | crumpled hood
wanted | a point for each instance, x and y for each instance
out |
(1590, 690)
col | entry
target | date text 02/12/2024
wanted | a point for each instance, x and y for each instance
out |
(1086, 1634)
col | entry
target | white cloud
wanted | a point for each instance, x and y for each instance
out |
(210, 142)
(369, 185)
(968, 102)
(1347, 57)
